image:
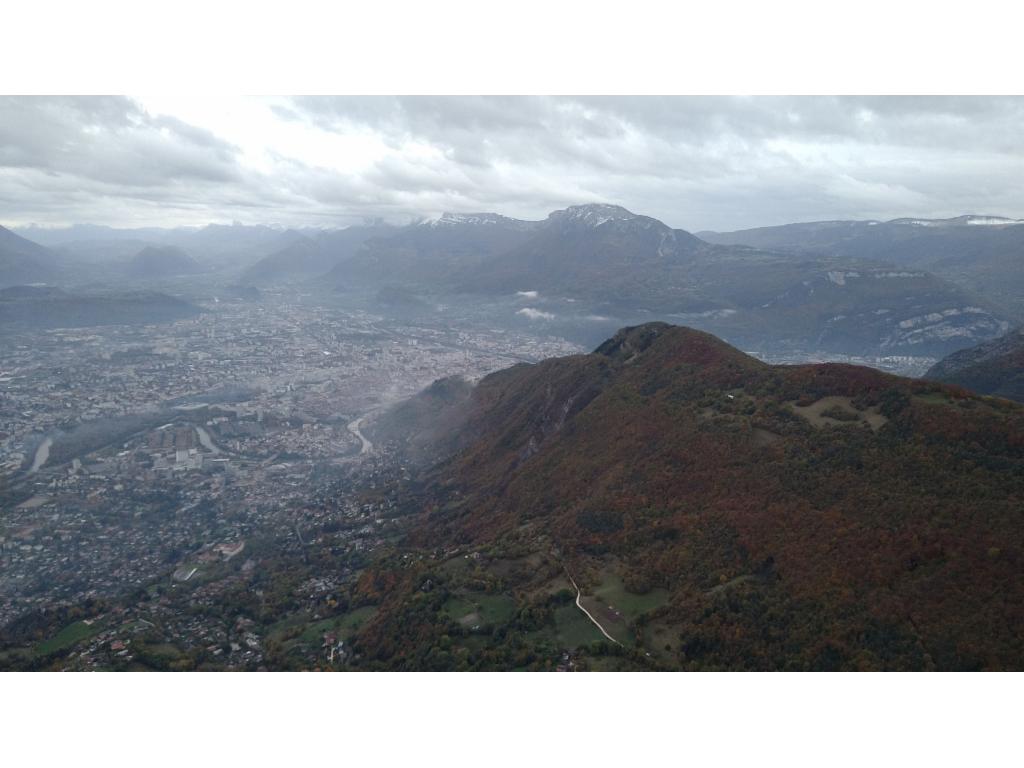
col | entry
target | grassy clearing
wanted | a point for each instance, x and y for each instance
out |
(573, 629)
(662, 640)
(343, 626)
(815, 413)
(477, 608)
(613, 592)
(612, 620)
(616, 608)
(69, 636)
(355, 620)
(277, 631)
(496, 609)
(312, 632)
(457, 608)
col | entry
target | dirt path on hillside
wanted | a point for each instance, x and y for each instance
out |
(579, 605)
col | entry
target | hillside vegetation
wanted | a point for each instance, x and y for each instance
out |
(880, 529)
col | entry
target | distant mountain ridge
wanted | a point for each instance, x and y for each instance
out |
(211, 245)
(23, 261)
(618, 263)
(597, 252)
(623, 261)
(431, 255)
(313, 255)
(905, 289)
(37, 308)
(993, 368)
(984, 254)
(162, 261)
(475, 219)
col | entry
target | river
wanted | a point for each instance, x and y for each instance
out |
(205, 441)
(354, 427)
(42, 454)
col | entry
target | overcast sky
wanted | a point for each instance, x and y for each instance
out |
(695, 163)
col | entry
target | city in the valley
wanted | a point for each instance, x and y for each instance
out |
(173, 463)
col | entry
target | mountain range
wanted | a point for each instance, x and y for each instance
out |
(603, 260)
(839, 305)
(34, 307)
(983, 254)
(215, 245)
(909, 288)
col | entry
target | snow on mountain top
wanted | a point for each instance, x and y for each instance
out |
(593, 215)
(477, 219)
(968, 220)
(589, 215)
(990, 221)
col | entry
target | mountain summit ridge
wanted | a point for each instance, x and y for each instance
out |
(592, 214)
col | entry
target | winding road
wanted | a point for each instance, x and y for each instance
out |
(589, 615)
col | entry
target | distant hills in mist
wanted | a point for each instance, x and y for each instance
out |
(907, 287)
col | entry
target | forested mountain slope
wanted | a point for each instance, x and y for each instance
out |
(788, 517)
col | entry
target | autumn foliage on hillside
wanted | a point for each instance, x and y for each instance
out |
(800, 517)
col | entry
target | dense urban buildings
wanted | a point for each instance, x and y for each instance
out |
(156, 458)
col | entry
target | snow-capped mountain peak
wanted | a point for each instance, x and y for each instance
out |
(990, 221)
(592, 215)
(470, 219)
(969, 220)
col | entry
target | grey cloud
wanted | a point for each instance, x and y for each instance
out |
(695, 162)
(613, 147)
(566, 121)
(109, 139)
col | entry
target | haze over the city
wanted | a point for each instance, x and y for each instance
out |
(696, 163)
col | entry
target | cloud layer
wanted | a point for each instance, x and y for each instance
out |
(695, 162)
